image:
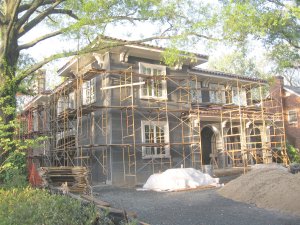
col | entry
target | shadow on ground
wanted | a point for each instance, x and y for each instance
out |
(198, 207)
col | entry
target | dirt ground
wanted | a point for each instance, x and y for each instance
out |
(269, 187)
(197, 207)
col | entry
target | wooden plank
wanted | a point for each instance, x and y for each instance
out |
(197, 188)
(118, 212)
(96, 201)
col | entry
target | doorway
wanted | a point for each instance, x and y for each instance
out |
(208, 144)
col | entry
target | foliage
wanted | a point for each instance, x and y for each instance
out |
(293, 153)
(274, 23)
(237, 62)
(13, 171)
(29, 207)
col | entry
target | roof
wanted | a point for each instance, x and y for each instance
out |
(129, 43)
(293, 90)
(143, 44)
(226, 75)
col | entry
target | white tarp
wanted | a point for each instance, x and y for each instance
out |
(177, 179)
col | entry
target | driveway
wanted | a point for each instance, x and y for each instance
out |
(198, 207)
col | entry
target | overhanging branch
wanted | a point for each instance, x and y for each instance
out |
(42, 38)
(65, 12)
(25, 7)
(33, 6)
(93, 47)
(88, 49)
(24, 29)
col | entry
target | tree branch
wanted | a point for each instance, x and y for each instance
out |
(66, 12)
(203, 36)
(92, 48)
(24, 29)
(42, 38)
(128, 18)
(293, 44)
(33, 6)
(25, 7)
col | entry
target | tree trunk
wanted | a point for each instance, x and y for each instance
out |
(9, 55)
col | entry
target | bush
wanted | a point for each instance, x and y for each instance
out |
(13, 172)
(29, 206)
(293, 153)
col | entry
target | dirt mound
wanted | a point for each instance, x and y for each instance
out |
(271, 188)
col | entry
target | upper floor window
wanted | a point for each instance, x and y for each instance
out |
(217, 93)
(35, 120)
(155, 86)
(195, 90)
(155, 136)
(89, 92)
(72, 100)
(239, 96)
(292, 116)
(62, 104)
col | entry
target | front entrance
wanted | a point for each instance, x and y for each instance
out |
(208, 144)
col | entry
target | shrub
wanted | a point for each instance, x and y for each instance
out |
(29, 206)
(293, 153)
(13, 172)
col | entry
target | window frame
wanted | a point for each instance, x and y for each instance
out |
(165, 127)
(89, 92)
(196, 91)
(72, 100)
(219, 91)
(153, 94)
(289, 117)
(62, 104)
(241, 93)
(35, 125)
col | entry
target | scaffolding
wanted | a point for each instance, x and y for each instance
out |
(244, 125)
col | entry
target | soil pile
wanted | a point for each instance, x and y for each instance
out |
(270, 187)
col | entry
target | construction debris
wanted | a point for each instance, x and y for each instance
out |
(117, 216)
(270, 187)
(69, 179)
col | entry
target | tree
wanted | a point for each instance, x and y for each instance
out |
(74, 18)
(273, 22)
(237, 62)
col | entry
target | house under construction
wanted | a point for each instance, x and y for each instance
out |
(125, 115)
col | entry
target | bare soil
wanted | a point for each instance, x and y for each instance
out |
(270, 188)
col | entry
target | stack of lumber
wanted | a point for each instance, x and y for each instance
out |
(73, 179)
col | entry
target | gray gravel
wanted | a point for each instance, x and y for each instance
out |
(198, 207)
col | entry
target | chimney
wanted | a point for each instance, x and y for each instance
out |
(276, 88)
(279, 81)
(40, 82)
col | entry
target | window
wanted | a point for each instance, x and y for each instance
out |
(72, 100)
(62, 104)
(217, 93)
(156, 87)
(239, 96)
(154, 133)
(195, 91)
(89, 92)
(292, 117)
(35, 121)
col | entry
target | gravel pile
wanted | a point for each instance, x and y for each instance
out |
(267, 187)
